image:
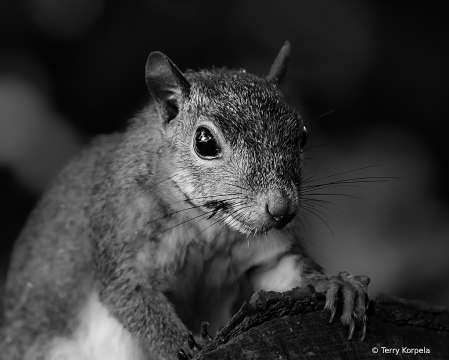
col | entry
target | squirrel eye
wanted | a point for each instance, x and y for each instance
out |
(206, 146)
(304, 138)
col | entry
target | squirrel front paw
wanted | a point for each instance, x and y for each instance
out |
(194, 343)
(353, 290)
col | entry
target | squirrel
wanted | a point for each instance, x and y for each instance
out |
(174, 221)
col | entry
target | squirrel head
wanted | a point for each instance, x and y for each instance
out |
(235, 145)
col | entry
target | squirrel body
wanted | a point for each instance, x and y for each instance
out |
(148, 232)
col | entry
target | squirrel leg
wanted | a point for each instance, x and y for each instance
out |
(146, 314)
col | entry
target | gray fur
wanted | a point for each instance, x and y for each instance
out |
(112, 222)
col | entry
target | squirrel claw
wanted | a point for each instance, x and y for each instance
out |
(204, 333)
(192, 343)
(333, 309)
(353, 291)
(363, 330)
(182, 355)
(195, 343)
(351, 329)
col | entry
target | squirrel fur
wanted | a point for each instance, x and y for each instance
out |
(176, 220)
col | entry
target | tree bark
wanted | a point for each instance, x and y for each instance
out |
(294, 325)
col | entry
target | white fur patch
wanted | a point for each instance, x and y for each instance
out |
(282, 276)
(99, 337)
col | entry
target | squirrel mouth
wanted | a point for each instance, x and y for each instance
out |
(243, 227)
(231, 221)
(237, 222)
(216, 206)
(258, 227)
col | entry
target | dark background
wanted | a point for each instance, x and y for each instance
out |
(370, 78)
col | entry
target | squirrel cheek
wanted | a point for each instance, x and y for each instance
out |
(189, 189)
(185, 183)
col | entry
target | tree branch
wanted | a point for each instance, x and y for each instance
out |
(294, 325)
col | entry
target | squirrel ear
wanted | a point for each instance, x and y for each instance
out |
(279, 67)
(166, 83)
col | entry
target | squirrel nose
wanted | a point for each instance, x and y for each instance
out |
(278, 207)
